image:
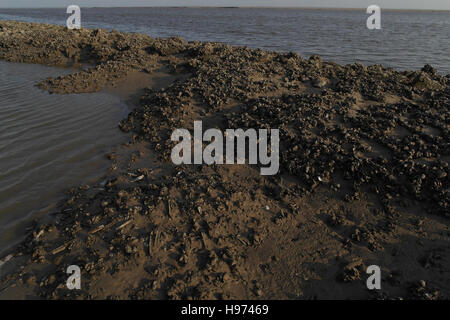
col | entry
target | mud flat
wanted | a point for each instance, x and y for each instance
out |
(363, 179)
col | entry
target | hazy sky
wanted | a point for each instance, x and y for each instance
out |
(387, 4)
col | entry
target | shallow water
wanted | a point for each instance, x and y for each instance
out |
(407, 41)
(48, 143)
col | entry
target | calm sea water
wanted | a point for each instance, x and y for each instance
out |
(408, 40)
(48, 143)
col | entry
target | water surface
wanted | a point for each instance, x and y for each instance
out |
(407, 41)
(48, 143)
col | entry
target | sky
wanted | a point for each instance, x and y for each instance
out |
(386, 4)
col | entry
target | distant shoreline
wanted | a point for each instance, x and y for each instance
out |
(244, 7)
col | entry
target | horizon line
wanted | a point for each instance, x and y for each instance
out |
(241, 7)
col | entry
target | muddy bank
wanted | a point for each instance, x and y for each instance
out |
(363, 178)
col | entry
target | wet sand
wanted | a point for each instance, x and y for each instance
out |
(363, 179)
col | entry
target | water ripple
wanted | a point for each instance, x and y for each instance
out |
(48, 143)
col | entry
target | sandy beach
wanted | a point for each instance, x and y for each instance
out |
(363, 177)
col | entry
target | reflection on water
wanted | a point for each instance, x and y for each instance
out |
(48, 143)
